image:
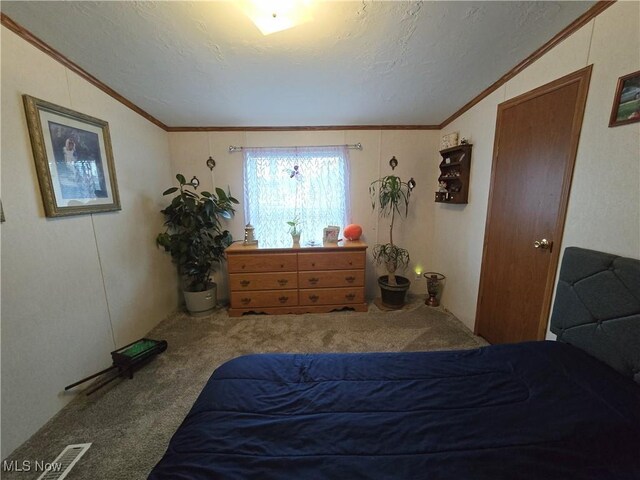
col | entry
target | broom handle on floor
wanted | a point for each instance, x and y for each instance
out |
(102, 383)
(89, 377)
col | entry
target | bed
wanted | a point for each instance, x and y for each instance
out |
(566, 409)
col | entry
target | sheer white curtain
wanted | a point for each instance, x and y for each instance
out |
(308, 183)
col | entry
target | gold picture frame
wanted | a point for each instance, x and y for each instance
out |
(74, 160)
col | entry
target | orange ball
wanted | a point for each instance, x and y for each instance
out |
(352, 232)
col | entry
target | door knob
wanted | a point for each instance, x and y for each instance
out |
(544, 244)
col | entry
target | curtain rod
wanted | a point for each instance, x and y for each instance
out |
(354, 146)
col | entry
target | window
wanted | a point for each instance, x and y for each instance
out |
(307, 183)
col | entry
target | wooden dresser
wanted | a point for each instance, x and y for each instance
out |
(296, 280)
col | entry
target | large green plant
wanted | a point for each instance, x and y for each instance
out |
(391, 195)
(194, 235)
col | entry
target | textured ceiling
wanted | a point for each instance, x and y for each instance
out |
(356, 63)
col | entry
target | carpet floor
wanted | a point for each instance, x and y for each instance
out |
(130, 422)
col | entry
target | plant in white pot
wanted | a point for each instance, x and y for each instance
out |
(391, 195)
(196, 240)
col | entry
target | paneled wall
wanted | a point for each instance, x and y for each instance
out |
(416, 151)
(604, 205)
(73, 288)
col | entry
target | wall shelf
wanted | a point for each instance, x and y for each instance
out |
(454, 174)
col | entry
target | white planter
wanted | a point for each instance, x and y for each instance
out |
(200, 304)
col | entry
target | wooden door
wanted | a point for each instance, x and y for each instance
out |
(534, 152)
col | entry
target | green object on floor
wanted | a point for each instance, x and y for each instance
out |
(126, 360)
(139, 347)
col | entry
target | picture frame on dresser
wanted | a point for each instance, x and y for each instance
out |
(330, 234)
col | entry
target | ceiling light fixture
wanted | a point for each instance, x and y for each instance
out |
(272, 16)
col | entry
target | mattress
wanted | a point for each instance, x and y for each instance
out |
(538, 410)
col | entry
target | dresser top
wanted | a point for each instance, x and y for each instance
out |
(240, 247)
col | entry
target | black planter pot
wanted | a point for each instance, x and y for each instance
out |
(393, 295)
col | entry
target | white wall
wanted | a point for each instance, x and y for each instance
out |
(413, 149)
(73, 288)
(604, 204)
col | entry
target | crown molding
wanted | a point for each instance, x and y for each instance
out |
(303, 128)
(582, 20)
(56, 55)
(566, 32)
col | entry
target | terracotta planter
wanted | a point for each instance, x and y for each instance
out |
(200, 304)
(393, 295)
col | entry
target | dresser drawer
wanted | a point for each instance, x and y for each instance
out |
(264, 299)
(277, 262)
(332, 296)
(331, 261)
(331, 278)
(263, 281)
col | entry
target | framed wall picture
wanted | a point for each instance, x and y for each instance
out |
(74, 160)
(626, 102)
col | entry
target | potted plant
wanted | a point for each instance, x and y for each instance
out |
(294, 230)
(391, 195)
(196, 240)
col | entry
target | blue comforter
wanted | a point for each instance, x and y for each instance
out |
(539, 410)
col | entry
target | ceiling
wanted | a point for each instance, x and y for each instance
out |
(357, 63)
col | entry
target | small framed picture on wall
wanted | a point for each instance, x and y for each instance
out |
(626, 102)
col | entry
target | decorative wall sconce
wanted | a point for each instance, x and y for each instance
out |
(411, 184)
(434, 284)
(211, 163)
(194, 182)
(393, 162)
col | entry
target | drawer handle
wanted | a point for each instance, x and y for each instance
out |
(313, 280)
(283, 299)
(245, 283)
(282, 265)
(314, 298)
(350, 296)
(350, 263)
(313, 264)
(350, 279)
(282, 282)
(245, 301)
(243, 266)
